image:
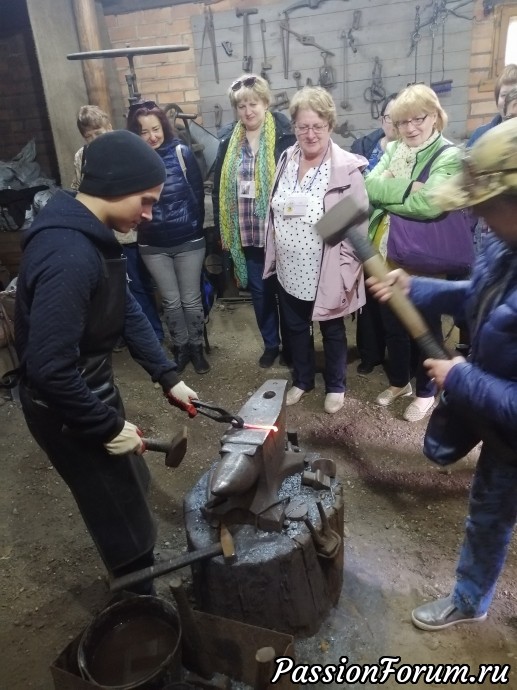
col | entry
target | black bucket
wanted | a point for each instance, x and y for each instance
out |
(133, 645)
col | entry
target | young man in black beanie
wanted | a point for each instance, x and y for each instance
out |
(72, 305)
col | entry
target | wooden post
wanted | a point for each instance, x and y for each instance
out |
(89, 39)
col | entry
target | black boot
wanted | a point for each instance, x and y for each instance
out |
(197, 358)
(182, 356)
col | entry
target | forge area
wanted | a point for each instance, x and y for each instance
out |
(403, 521)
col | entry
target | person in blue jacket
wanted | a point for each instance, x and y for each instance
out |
(172, 244)
(506, 81)
(485, 384)
(72, 305)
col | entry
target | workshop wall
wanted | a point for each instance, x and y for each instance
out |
(383, 29)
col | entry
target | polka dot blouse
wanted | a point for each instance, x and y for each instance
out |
(298, 245)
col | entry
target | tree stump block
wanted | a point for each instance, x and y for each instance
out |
(278, 581)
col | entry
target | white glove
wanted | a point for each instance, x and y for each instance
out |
(181, 396)
(128, 441)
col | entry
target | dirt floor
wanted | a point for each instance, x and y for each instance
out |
(403, 522)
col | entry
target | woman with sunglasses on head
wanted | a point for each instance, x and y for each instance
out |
(316, 282)
(393, 186)
(243, 174)
(172, 244)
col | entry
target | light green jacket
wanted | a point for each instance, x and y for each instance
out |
(392, 193)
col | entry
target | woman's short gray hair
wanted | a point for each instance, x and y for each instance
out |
(258, 88)
(317, 99)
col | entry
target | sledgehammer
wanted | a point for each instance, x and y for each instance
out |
(342, 222)
(225, 547)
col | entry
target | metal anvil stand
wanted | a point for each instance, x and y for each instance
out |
(282, 579)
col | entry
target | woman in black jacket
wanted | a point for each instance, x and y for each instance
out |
(243, 176)
(172, 244)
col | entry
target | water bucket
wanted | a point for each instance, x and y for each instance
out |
(133, 645)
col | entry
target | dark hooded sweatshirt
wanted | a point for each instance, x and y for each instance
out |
(65, 253)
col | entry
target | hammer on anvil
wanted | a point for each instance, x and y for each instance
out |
(342, 222)
(225, 547)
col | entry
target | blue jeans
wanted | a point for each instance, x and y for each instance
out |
(263, 297)
(141, 287)
(404, 358)
(178, 277)
(297, 314)
(489, 526)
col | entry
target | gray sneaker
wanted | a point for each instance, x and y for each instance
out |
(440, 614)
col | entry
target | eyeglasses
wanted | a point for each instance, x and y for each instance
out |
(417, 121)
(148, 105)
(387, 119)
(303, 129)
(249, 82)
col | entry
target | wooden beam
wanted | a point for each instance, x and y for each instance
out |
(89, 39)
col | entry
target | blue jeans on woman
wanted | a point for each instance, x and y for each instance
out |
(141, 287)
(178, 277)
(263, 297)
(297, 315)
(489, 527)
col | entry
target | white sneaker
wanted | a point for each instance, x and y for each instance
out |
(388, 396)
(334, 402)
(294, 395)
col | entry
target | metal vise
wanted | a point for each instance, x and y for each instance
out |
(243, 486)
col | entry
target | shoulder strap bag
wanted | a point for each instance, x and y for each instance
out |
(430, 247)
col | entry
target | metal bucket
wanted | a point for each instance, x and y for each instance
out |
(133, 645)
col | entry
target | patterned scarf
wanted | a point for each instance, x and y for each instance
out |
(228, 203)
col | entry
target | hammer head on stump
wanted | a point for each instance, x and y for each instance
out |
(345, 215)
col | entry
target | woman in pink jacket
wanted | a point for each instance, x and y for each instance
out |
(316, 282)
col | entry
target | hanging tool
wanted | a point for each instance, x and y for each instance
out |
(327, 78)
(227, 47)
(280, 101)
(284, 38)
(375, 94)
(247, 60)
(218, 116)
(349, 42)
(266, 65)
(209, 31)
(297, 76)
(305, 40)
(311, 4)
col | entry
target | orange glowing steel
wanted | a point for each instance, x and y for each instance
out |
(261, 427)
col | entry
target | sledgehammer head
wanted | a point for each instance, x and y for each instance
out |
(347, 214)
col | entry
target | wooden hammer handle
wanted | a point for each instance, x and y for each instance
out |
(408, 314)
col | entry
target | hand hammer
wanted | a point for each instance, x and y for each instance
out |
(247, 60)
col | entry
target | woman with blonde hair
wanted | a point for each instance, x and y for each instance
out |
(243, 175)
(394, 187)
(316, 282)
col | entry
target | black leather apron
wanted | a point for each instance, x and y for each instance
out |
(110, 490)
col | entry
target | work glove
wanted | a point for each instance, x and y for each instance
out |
(181, 396)
(128, 441)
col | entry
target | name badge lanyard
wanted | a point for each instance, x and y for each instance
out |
(307, 189)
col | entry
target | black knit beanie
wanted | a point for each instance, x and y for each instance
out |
(119, 163)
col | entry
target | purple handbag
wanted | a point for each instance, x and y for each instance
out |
(441, 245)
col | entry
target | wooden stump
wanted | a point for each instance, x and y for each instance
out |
(278, 580)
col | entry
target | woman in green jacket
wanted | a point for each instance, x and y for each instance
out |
(393, 187)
